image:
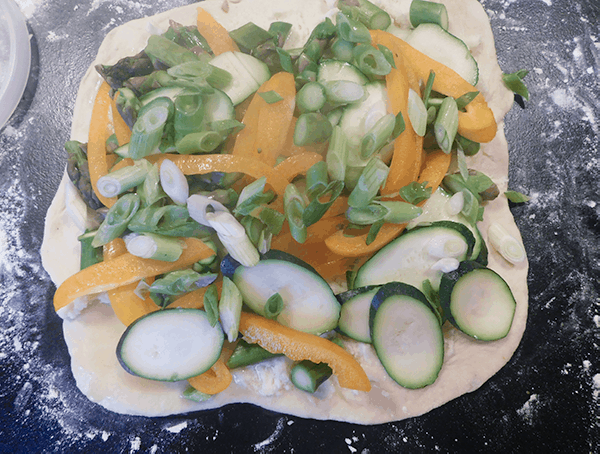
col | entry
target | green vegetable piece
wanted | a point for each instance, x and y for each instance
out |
(514, 82)
(464, 100)
(468, 147)
(246, 354)
(117, 219)
(151, 191)
(322, 202)
(168, 52)
(368, 215)
(428, 88)
(272, 219)
(168, 220)
(194, 395)
(516, 197)
(252, 196)
(378, 136)
(399, 126)
(311, 97)
(415, 193)
(342, 50)
(371, 61)
(373, 231)
(199, 142)
(250, 36)
(370, 181)
(211, 304)
(446, 124)
(308, 376)
(150, 245)
(294, 206)
(120, 181)
(399, 212)
(179, 282)
(373, 17)
(316, 179)
(417, 113)
(274, 306)
(311, 128)
(352, 30)
(280, 32)
(337, 155)
(89, 255)
(147, 132)
(426, 12)
(79, 173)
(271, 97)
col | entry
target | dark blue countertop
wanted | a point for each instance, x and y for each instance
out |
(546, 399)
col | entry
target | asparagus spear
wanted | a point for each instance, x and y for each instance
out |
(79, 173)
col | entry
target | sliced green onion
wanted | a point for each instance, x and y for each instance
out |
(280, 32)
(366, 215)
(388, 54)
(272, 219)
(417, 113)
(311, 128)
(246, 354)
(211, 304)
(119, 181)
(352, 30)
(514, 82)
(370, 181)
(154, 246)
(334, 116)
(337, 155)
(428, 88)
(506, 244)
(294, 207)
(199, 142)
(147, 132)
(399, 126)
(252, 196)
(377, 136)
(445, 126)
(264, 241)
(342, 50)
(173, 182)
(116, 220)
(191, 393)
(253, 227)
(462, 164)
(431, 114)
(343, 91)
(273, 306)
(471, 207)
(198, 206)
(271, 97)
(194, 70)
(415, 193)
(316, 179)
(434, 300)
(250, 36)
(89, 255)
(285, 60)
(516, 197)
(227, 127)
(373, 17)
(400, 212)
(233, 236)
(469, 147)
(374, 231)
(189, 113)
(371, 61)
(464, 100)
(230, 309)
(183, 281)
(168, 220)
(311, 97)
(426, 12)
(321, 203)
(168, 52)
(188, 37)
(308, 376)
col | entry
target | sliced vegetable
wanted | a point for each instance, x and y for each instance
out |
(246, 354)
(308, 376)
(506, 244)
(215, 34)
(354, 315)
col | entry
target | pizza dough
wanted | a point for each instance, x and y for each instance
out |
(92, 336)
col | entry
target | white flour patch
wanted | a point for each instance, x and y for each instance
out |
(30, 7)
(273, 437)
(177, 428)
(529, 408)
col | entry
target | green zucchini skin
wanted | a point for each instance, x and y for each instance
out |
(351, 313)
(494, 294)
(398, 308)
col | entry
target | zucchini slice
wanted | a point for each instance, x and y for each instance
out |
(170, 345)
(354, 315)
(478, 301)
(411, 257)
(248, 74)
(309, 305)
(407, 335)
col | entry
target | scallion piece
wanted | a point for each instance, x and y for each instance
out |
(334, 116)
(182, 281)
(272, 219)
(431, 114)
(202, 70)
(188, 115)
(147, 132)
(415, 192)
(280, 32)
(426, 12)
(514, 82)
(321, 202)
(342, 50)
(506, 244)
(211, 304)
(352, 30)
(250, 36)
(373, 17)
(191, 393)
(246, 354)
(471, 207)
(374, 231)
(464, 100)
(417, 113)
(119, 181)
(168, 220)
(199, 142)
(253, 227)
(311, 128)
(230, 309)
(168, 52)
(469, 147)
(388, 54)
(371, 61)
(116, 220)
(227, 127)
(252, 196)
(273, 306)
(516, 197)
(153, 246)
(285, 60)
(264, 241)
(294, 207)
(199, 205)
(89, 255)
(308, 376)
(343, 91)
(428, 88)
(311, 97)
(366, 215)
(370, 181)
(316, 179)
(337, 155)
(377, 136)
(445, 126)
(173, 182)
(399, 212)
(233, 236)
(399, 126)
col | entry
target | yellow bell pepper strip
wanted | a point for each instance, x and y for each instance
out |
(298, 346)
(113, 249)
(478, 122)
(435, 167)
(215, 34)
(122, 131)
(214, 380)
(408, 146)
(262, 137)
(297, 164)
(96, 150)
(124, 270)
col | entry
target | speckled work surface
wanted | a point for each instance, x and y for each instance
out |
(547, 399)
